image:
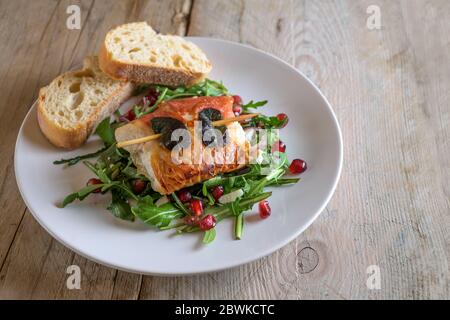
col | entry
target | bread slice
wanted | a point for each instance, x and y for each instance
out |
(135, 52)
(73, 104)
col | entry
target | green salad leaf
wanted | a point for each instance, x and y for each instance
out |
(206, 87)
(252, 105)
(209, 236)
(268, 122)
(120, 207)
(153, 215)
(82, 193)
(106, 132)
(75, 160)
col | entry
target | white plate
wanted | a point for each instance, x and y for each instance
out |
(89, 229)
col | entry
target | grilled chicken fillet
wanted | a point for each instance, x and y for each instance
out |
(155, 161)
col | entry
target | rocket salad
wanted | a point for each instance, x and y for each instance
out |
(196, 208)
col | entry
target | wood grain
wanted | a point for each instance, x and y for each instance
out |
(389, 88)
(33, 265)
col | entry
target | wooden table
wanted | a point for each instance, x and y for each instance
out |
(390, 88)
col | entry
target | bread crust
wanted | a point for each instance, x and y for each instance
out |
(72, 138)
(147, 73)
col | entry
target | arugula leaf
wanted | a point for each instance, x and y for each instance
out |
(75, 160)
(131, 173)
(207, 87)
(125, 189)
(268, 122)
(150, 214)
(106, 132)
(209, 236)
(253, 105)
(99, 172)
(119, 207)
(180, 204)
(230, 209)
(81, 194)
(236, 208)
(257, 186)
(111, 156)
(137, 111)
(217, 180)
(282, 182)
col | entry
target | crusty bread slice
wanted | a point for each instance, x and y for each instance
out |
(73, 104)
(135, 52)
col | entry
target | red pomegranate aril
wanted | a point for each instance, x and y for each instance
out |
(139, 186)
(207, 223)
(94, 181)
(150, 98)
(237, 100)
(297, 166)
(282, 117)
(196, 207)
(279, 146)
(184, 196)
(129, 116)
(217, 192)
(237, 109)
(264, 209)
(191, 220)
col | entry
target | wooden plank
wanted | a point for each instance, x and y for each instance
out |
(389, 88)
(391, 207)
(34, 265)
(19, 79)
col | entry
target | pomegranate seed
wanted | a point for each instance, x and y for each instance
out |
(191, 220)
(139, 186)
(217, 192)
(150, 98)
(297, 166)
(196, 207)
(282, 117)
(184, 196)
(264, 209)
(237, 100)
(129, 116)
(207, 223)
(94, 181)
(237, 109)
(279, 146)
